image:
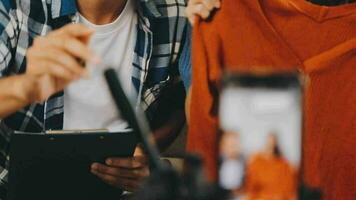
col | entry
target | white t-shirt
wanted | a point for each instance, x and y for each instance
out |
(88, 103)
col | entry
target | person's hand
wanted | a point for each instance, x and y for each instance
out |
(55, 59)
(30, 89)
(123, 173)
(201, 8)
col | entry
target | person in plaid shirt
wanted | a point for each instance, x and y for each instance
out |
(46, 40)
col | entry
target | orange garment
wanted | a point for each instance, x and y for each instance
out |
(270, 178)
(284, 35)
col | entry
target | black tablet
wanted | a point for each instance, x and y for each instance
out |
(56, 165)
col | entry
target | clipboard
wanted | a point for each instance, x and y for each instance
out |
(56, 165)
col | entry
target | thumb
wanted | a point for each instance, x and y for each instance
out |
(139, 151)
(47, 86)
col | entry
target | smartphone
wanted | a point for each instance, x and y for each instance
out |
(260, 117)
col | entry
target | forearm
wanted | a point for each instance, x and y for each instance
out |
(167, 133)
(14, 93)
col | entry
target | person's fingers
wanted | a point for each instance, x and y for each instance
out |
(63, 59)
(123, 173)
(57, 70)
(50, 49)
(203, 11)
(42, 62)
(130, 163)
(123, 183)
(198, 9)
(84, 38)
(78, 49)
(75, 47)
(134, 174)
(202, 8)
(217, 4)
(139, 152)
(105, 169)
(211, 4)
(76, 30)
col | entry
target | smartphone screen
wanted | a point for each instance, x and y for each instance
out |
(260, 148)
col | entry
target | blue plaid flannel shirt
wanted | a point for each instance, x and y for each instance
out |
(161, 31)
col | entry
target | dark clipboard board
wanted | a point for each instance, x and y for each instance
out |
(57, 165)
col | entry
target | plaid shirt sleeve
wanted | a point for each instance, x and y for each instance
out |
(8, 32)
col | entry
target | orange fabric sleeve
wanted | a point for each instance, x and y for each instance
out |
(206, 73)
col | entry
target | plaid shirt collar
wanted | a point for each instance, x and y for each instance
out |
(61, 8)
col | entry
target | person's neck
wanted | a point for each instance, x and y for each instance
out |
(101, 12)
